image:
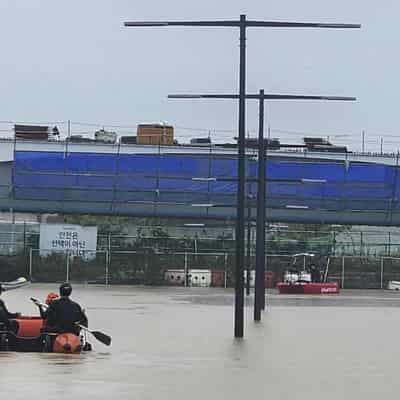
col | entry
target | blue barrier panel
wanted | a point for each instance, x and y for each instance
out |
(132, 177)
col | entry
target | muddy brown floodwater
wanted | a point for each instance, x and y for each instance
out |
(176, 343)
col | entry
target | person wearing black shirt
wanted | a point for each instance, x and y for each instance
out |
(315, 274)
(63, 314)
(5, 315)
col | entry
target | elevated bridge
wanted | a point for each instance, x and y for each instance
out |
(196, 182)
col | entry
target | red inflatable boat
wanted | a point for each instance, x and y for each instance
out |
(27, 334)
(305, 280)
(308, 287)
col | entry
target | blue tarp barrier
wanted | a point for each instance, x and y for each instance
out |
(112, 177)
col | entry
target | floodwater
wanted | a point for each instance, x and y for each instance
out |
(176, 343)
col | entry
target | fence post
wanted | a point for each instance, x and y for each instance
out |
(342, 272)
(382, 272)
(30, 263)
(226, 270)
(186, 269)
(109, 243)
(67, 277)
(107, 264)
(24, 239)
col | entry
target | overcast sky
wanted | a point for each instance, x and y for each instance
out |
(74, 60)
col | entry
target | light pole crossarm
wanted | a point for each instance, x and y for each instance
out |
(285, 24)
(247, 23)
(182, 23)
(264, 97)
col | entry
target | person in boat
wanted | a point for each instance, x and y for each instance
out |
(315, 274)
(42, 308)
(5, 315)
(50, 297)
(63, 314)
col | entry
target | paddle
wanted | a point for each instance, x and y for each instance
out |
(100, 336)
(39, 304)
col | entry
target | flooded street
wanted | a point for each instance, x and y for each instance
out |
(176, 343)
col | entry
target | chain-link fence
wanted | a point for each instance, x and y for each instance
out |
(14, 266)
(149, 267)
(59, 266)
(124, 267)
(19, 237)
(349, 272)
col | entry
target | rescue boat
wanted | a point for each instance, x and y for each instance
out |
(30, 334)
(308, 287)
(301, 282)
(27, 334)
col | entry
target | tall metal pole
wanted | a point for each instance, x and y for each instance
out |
(241, 24)
(264, 193)
(259, 287)
(240, 222)
(239, 284)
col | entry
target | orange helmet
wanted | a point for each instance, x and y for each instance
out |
(50, 297)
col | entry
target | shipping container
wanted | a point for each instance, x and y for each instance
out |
(200, 141)
(194, 277)
(128, 140)
(217, 278)
(175, 277)
(31, 132)
(155, 134)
